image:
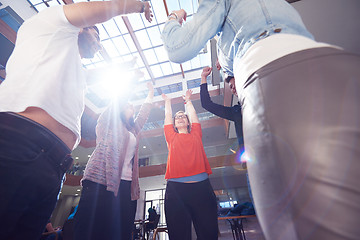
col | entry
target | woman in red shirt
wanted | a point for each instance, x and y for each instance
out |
(189, 196)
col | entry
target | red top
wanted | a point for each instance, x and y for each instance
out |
(186, 153)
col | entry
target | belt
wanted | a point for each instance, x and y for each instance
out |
(21, 127)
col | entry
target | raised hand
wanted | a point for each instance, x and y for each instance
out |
(147, 12)
(206, 72)
(150, 86)
(218, 66)
(181, 14)
(187, 96)
(165, 97)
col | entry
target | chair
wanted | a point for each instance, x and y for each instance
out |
(159, 229)
(151, 226)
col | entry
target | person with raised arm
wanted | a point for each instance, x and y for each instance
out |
(41, 104)
(300, 108)
(189, 195)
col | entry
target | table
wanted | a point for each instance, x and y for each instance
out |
(237, 225)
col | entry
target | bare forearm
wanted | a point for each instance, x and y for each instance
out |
(191, 111)
(85, 14)
(168, 112)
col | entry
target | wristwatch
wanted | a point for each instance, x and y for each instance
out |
(173, 15)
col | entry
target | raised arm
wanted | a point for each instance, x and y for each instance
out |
(183, 42)
(168, 110)
(145, 109)
(230, 113)
(189, 107)
(86, 14)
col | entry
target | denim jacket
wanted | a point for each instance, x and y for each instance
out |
(238, 23)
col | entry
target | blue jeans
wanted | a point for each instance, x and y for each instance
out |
(32, 164)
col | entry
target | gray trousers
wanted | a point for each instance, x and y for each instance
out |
(301, 119)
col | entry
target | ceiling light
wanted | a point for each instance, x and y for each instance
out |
(76, 157)
(89, 155)
(144, 147)
(78, 190)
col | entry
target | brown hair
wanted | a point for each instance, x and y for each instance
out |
(187, 117)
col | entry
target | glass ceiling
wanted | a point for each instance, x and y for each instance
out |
(120, 47)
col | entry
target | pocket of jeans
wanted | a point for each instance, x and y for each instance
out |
(20, 151)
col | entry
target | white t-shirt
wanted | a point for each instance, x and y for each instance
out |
(126, 172)
(268, 50)
(45, 70)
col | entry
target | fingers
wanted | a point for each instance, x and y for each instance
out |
(150, 86)
(218, 66)
(148, 12)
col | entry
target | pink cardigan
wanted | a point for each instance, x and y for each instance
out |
(112, 138)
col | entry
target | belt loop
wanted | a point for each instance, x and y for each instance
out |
(66, 163)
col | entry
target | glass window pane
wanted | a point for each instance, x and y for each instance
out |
(110, 48)
(102, 33)
(121, 25)
(135, 21)
(187, 6)
(130, 43)
(143, 39)
(150, 56)
(156, 70)
(172, 5)
(111, 28)
(159, 11)
(161, 54)
(155, 36)
(166, 68)
(121, 45)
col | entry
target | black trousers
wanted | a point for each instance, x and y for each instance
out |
(101, 215)
(301, 120)
(191, 202)
(32, 165)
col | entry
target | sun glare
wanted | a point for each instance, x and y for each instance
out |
(117, 82)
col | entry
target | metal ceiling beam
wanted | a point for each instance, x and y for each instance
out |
(137, 45)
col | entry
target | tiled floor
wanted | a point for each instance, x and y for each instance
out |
(251, 227)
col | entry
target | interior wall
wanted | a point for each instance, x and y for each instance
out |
(332, 21)
(62, 209)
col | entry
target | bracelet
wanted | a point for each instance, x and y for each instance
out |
(142, 7)
(173, 15)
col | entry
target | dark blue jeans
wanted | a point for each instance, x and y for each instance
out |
(101, 215)
(32, 164)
